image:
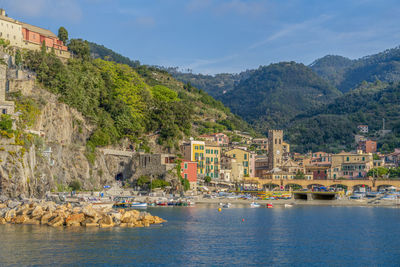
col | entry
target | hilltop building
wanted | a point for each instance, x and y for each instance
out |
(25, 36)
(367, 146)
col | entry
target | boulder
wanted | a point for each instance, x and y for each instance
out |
(19, 219)
(32, 221)
(3, 198)
(90, 224)
(89, 211)
(46, 217)
(10, 214)
(106, 219)
(13, 204)
(2, 221)
(75, 219)
(56, 221)
(3, 211)
(37, 211)
(3, 205)
(76, 210)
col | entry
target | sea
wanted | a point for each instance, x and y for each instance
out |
(204, 236)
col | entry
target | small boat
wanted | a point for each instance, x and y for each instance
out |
(138, 205)
(269, 206)
(288, 205)
(254, 205)
(162, 204)
(227, 205)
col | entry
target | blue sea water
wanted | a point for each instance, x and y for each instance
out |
(202, 236)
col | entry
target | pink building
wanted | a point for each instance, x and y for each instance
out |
(189, 171)
(36, 35)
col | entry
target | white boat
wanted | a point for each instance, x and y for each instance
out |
(254, 205)
(227, 205)
(288, 205)
(138, 205)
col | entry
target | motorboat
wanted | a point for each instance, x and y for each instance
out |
(269, 206)
(138, 205)
(227, 205)
(254, 205)
(288, 205)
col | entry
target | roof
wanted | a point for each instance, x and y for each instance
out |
(30, 27)
(42, 31)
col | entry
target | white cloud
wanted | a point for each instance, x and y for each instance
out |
(61, 9)
(291, 28)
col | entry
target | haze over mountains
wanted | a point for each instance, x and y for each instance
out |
(319, 105)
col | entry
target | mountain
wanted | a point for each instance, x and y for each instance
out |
(100, 51)
(275, 94)
(332, 68)
(347, 74)
(332, 127)
(215, 85)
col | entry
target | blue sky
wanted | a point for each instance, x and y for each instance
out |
(214, 36)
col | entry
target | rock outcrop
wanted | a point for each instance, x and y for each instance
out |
(51, 214)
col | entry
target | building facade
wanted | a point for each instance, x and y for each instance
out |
(367, 146)
(242, 157)
(212, 161)
(351, 165)
(195, 151)
(25, 36)
(189, 171)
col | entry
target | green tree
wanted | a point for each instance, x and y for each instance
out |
(379, 172)
(207, 179)
(299, 175)
(63, 34)
(18, 58)
(80, 48)
(75, 185)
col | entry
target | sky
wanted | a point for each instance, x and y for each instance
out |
(221, 36)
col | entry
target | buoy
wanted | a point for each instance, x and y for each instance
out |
(242, 220)
(219, 209)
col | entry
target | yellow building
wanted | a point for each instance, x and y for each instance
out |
(242, 157)
(195, 151)
(212, 161)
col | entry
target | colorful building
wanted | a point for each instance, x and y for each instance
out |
(25, 36)
(351, 165)
(189, 171)
(243, 157)
(195, 151)
(367, 146)
(220, 139)
(212, 161)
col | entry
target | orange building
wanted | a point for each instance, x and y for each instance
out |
(189, 171)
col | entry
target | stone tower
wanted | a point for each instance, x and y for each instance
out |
(275, 148)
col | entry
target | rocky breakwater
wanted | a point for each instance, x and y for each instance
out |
(68, 215)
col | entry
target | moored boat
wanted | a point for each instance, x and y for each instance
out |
(288, 205)
(227, 205)
(254, 205)
(138, 205)
(269, 206)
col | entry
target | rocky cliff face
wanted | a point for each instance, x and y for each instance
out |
(56, 153)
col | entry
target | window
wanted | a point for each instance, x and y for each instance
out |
(245, 171)
(245, 156)
(348, 159)
(276, 141)
(196, 147)
(185, 175)
(363, 158)
(4, 111)
(211, 151)
(207, 151)
(186, 166)
(216, 152)
(234, 155)
(212, 159)
(211, 175)
(280, 141)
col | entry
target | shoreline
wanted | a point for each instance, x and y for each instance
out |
(281, 202)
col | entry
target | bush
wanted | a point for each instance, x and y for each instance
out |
(75, 185)
(6, 123)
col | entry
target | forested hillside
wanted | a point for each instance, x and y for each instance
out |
(216, 85)
(347, 74)
(332, 127)
(274, 94)
(126, 102)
